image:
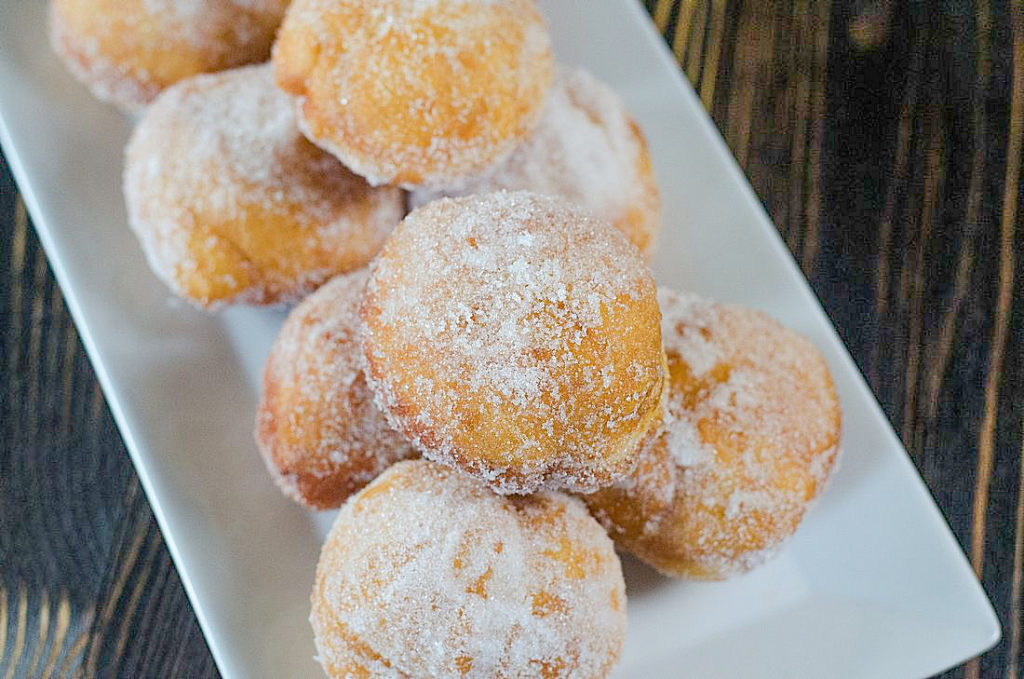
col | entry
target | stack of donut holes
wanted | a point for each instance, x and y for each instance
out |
(491, 388)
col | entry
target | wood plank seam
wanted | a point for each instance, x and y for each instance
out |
(1011, 188)
(32, 368)
(798, 139)
(965, 262)
(18, 249)
(898, 176)
(1016, 614)
(914, 289)
(818, 113)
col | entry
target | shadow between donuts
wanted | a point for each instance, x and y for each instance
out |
(640, 578)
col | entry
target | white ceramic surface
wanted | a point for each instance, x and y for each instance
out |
(874, 584)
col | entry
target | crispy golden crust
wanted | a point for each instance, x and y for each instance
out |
(415, 93)
(514, 337)
(317, 427)
(750, 437)
(127, 51)
(233, 206)
(427, 573)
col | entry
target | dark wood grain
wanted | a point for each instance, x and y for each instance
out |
(86, 585)
(884, 138)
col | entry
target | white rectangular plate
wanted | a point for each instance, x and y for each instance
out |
(873, 585)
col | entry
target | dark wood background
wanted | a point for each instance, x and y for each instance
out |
(885, 139)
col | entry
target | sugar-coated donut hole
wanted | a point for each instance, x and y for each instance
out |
(233, 206)
(749, 438)
(515, 337)
(426, 572)
(586, 149)
(415, 93)
(127, 51)
(317, 427)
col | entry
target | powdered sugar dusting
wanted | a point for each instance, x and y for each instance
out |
(429, 574)
(514, 318)
(318, 429)
(585, 149)
(217, 170)
(748, 440)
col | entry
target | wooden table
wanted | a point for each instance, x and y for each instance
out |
(885, 139)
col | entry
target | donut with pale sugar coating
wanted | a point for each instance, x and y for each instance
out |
(232, 205)
(320, 434)
(517, 338)
(587, 149)
(427, 573)
(749, 439)
(415, 93)
(127, 51)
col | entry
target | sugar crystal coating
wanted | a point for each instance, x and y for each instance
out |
(517, 338)
(415, 93)
(233, 206)
(749, 438)
(427, 573)
(127, 51)
(586, 149)
(317, 427)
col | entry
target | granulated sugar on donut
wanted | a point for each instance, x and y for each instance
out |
(518, 338)
(415, 93)
(127, 51)
(586, 149)
(233, 206)
(317, 427)
(749, 439)
(427, 573)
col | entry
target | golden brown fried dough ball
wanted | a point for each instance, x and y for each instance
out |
(317, 427)
(415, 92)
(127, 51)
(233, 206)
(586, 149)
(427, 573)
(750, 437)
(517, 338)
